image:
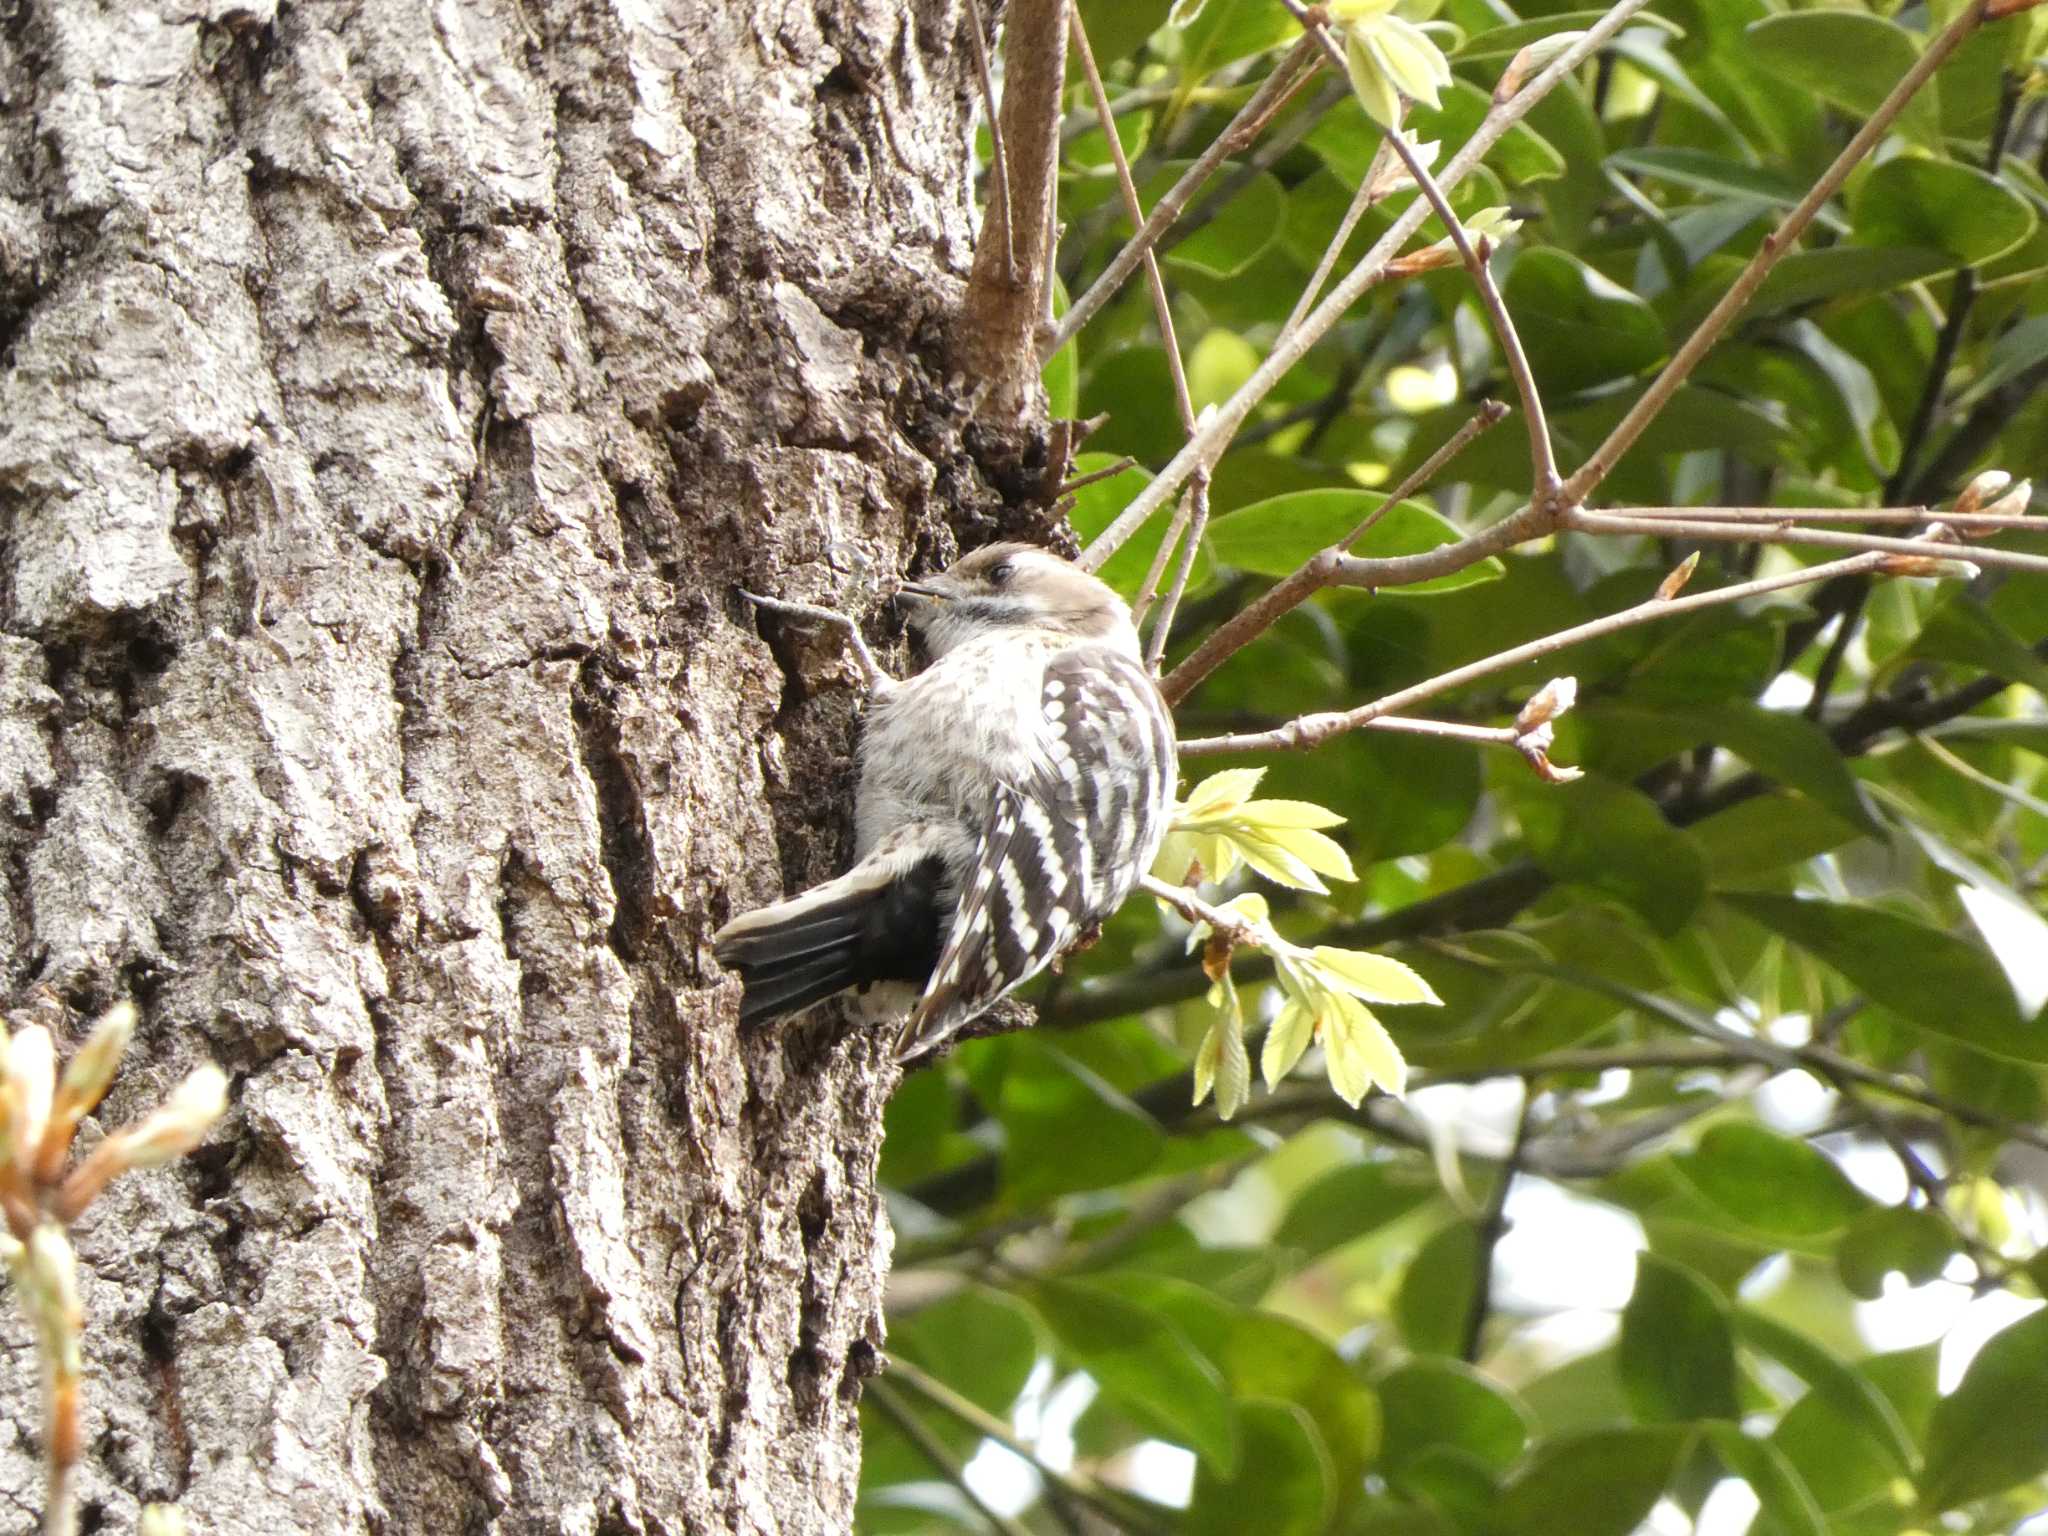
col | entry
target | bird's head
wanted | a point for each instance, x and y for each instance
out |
(1014, 588)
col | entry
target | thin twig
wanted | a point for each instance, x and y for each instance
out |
(1819, 538)
(1370, 191)
(1198, 524)
(1162, 308)
(1107, 472)
(1149, 587)
(1542, 463)
(1196, 503)
(1986, 522)
(1602, 460)
(1493, 1226)
(1291, 347)
(1309, 730)
(1284, 78)
(1110, 1503)
(935, 1452)
(1315, 573)
(1233, 927)
(999, 162)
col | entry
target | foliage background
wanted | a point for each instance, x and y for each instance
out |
(1771, 974)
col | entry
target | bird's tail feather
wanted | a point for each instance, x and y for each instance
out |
(879, 922)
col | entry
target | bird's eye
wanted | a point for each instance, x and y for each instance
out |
(1000, 573)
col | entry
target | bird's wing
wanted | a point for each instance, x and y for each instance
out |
(1060, 851)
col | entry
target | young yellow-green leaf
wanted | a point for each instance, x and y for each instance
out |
(1276, 863)
(1409, 57)
(1286, 1040)
(1359, 1052)
(1222, 1063)
(1318, 852)
(1219, 794)
(1369, 79)
(1375, 978)
(1289, 813)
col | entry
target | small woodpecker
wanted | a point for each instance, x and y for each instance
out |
(1011, 795)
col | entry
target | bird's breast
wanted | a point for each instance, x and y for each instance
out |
(934, 748)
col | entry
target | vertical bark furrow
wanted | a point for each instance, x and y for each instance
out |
(392, 397)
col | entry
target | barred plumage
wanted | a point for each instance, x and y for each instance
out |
(1011, 795)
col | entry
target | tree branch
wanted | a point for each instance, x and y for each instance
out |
(995, 336)
(1287, 76)
(1653, 400)
(1290, 348)
(1320, 570)
(1112, 1504)
(1819, 538)
(1309, 730)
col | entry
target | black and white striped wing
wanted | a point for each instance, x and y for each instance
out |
(1062, 850)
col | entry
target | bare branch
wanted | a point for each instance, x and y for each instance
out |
(999, 160)
(934, 1451)
(1542, 463)
(1292, 347)
(1120, 1508)
(1107, 472)
(1309, 730)
(1198, 524)
(1603, 459)
(1318, 571)
(1285, 79)
(1746, 532)
(995, 341)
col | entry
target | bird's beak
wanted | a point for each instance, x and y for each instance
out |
(927, 591)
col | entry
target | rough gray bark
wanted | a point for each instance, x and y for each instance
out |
(394, 394)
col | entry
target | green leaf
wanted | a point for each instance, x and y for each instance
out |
(1238, 235)
(1603, 1483)
(1992, 1431)
(1792, 750)
(1677, 1356)
(1613, 840)
(1908, 1240)
(1501, 43)
(1269, 1357)
(1118, 28)
(1772, 1183)
(1809, 277)
(1145, 1366)
(1358, 1052)
(1763, 834)
(1928, 977)
(1434, 1306)
(1941, 204)
(1579, 328)
(1431, 1402)
(1273, 537)
(1043, 1094)
(1523, 155)
(1717, 175)
(2019, 349)
(1785, 1499)
(1853, 1402)
(1285, 1475)
(1286, 1041)
(981, 1342)
(1352, 1202)
(1229, 30)
(1062, 371)
(1849, 59)
(1095, 508)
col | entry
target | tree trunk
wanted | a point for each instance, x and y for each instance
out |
(395, 396)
